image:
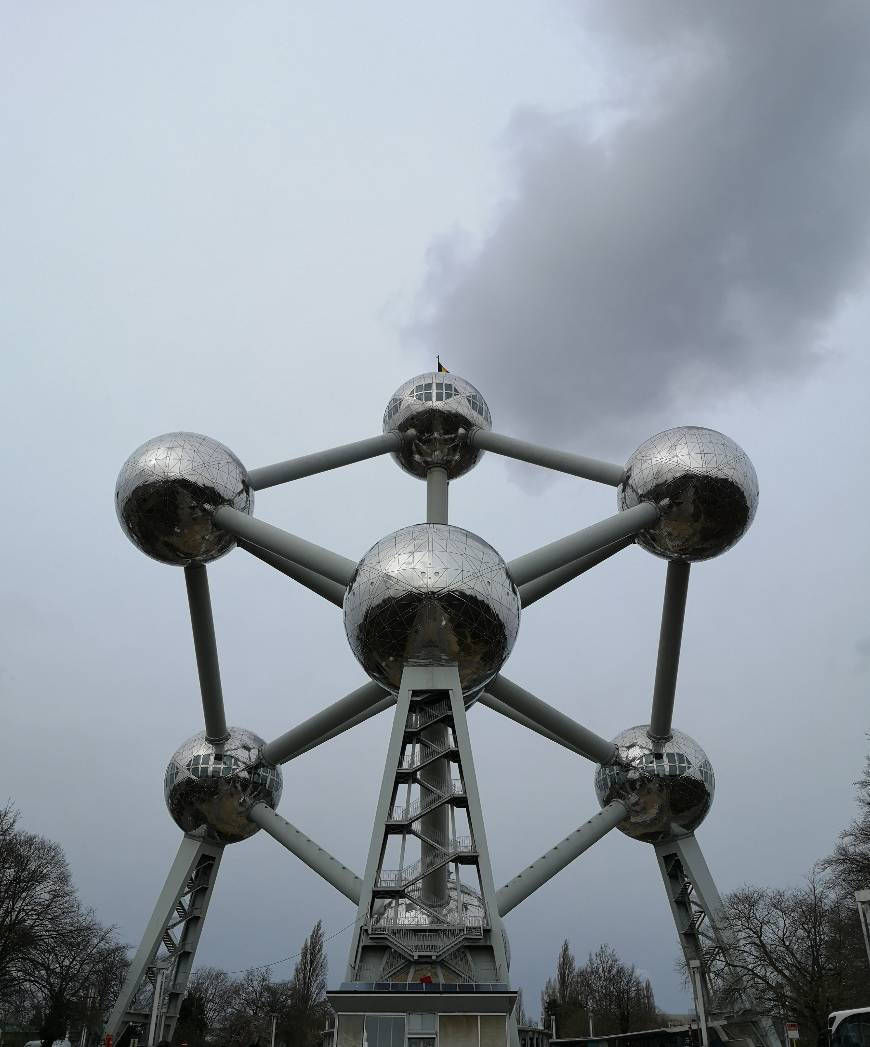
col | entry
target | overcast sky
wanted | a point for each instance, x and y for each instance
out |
(255, 221)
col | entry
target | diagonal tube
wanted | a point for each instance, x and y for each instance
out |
(324, 587)
(670, 639)
(547, 583)
(561, 461)
(546, 867)
(314, 856)
(202, 621)
(491, 702)
(598, 536)
(282, 543)
(322, 461)
(329, 722)
(387, 702)
(559, 726)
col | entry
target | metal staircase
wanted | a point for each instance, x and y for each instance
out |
(421, 911)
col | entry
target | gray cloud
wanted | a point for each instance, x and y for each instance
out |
(700, 239)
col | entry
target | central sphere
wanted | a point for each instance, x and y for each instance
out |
(434, 413)
(667, 786)
(207, 787)
(432, 594)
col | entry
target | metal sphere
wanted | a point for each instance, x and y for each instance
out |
(431, 594)
(441, 409)
(704, 483)
(168, 490)
(667, 786)
(207, 787)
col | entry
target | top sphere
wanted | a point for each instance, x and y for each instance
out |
(667, 786)
(168, 491)
(441, 408)
(707, 484)
(208, 786)
(432, 594)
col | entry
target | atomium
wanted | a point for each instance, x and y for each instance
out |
(431, 612)
(667, 786)
(435, 412)
(705, 485)
(432, 594)
(167, 492)
(208, 787)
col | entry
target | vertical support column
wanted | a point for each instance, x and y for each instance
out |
(437, 775)
(424, 939)
(670, 639)
(436, 495)
(475, 818)
(376, 847)
(699, 992)
(156, 1004)
(199, 600)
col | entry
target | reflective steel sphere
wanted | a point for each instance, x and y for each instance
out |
(668, 788)
(168, 490)
(207, 787)
(707, 484)
(440, 409)
(432, 595)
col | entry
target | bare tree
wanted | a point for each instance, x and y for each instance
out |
(206, 1008)
(849, 865)
(58, 964)
(797, 951)
(255, 998)
(215, 989)
(612, 992)
(37, 903)
(559, 998)
(307, 1012)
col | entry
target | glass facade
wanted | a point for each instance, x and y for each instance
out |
(385, 1030)
(438, 391)
(422, 1029)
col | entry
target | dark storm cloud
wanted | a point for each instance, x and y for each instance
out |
(697, 240)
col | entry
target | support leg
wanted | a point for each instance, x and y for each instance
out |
(171, 936)
(694, 899)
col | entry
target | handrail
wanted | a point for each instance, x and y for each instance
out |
(412, 811)
(436, 858)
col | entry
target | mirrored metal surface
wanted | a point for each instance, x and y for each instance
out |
(440, 408)
(667, 786)
(169, 488)
(208, 787)
(432, 594)
(707, 484)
